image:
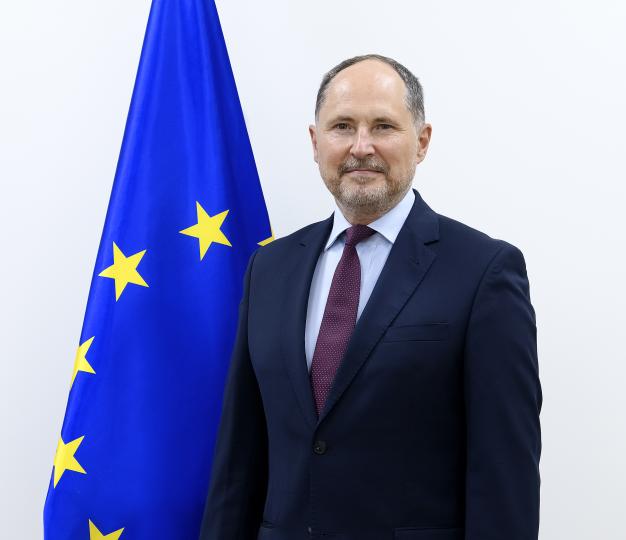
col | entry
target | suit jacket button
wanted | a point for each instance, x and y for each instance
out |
(319, 447)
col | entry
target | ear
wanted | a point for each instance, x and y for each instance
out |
(423, 140)
(313, 134)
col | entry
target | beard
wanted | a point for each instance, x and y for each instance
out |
(358, 195)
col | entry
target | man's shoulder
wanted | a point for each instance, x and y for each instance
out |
(283, 247)
(459, 232)
(454, 235)
(470, 245)
(296, 236)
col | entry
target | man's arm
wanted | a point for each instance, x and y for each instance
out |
(503, 400)
(234, 505)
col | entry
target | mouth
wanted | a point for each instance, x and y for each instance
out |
(363, 171)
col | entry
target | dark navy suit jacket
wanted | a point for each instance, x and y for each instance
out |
(431, 429)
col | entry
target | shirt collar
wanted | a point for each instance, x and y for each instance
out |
(388, 225)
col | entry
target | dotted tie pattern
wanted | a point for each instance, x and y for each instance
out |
(339, 316)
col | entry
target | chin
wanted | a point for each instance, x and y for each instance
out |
(366, 194)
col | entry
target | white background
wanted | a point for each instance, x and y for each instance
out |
(527, 105)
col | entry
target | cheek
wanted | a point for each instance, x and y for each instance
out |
(400, 158)
(330, 154)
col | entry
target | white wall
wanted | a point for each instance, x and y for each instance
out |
(527, 103)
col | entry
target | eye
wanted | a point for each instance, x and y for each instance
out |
(342, 126)
(384, 126)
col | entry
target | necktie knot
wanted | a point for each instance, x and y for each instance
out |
(357, 233)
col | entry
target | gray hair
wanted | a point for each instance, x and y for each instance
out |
(414, 91)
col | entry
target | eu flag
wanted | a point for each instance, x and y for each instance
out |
(186, 212)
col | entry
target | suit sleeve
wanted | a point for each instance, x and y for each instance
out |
(502, 402)
(236, 496)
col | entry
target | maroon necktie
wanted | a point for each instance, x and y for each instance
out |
(339, 316)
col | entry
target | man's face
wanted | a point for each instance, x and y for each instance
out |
(365, 139)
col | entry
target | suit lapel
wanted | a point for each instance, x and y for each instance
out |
(406, 266)
(294, 309)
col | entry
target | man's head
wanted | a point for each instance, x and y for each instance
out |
(369, 134)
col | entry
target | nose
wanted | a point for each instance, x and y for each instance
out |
(362, 145)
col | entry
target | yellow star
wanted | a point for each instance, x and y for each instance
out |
(80, 362)
(124, 270)
(207, 230)
(64, 459)
(267, 240)
(95, 534)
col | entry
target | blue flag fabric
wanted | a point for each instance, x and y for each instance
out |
(185, 214)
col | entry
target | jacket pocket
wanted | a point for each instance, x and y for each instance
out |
(418, 332)
(408, 533)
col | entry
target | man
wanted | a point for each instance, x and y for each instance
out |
(384, 381)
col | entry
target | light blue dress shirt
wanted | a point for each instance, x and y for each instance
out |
(373, 253)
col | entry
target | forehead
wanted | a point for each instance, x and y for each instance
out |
(370, 86)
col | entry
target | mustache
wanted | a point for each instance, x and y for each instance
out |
(371, 164)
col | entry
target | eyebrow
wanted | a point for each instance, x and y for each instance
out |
(340, 119)
(383, 120)
(377, 120)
